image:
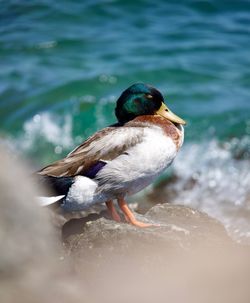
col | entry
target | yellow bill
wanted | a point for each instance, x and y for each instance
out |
(166, 113)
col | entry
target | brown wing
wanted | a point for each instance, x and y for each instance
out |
(104, 145)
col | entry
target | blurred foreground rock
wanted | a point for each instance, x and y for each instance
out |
(188, 258)
(30, 266)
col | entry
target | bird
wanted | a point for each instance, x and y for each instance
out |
(118, 160)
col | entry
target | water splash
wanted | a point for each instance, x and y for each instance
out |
(43, 137)
(212, 178)
(48, 127)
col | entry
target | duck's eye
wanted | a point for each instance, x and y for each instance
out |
(149, 96)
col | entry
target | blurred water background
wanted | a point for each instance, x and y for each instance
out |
(64, 63)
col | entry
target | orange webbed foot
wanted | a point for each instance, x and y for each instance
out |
(130, 217)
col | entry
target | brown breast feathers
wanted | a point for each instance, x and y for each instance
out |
(169, 128)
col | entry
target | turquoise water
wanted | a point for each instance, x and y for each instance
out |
(64, 63)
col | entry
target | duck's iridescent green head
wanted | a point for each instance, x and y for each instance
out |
(143, 99)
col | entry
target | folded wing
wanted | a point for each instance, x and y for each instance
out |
(104, 145)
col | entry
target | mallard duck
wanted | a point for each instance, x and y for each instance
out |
(119, 160)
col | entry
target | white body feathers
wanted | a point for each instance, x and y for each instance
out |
(127, 174)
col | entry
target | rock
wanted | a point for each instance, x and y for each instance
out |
(189, 257)
(30, 265)
(179, 227)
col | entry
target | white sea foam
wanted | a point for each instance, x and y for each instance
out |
(47, 128)
(212, 180)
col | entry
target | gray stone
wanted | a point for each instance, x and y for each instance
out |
(176, 226)
(188, 258)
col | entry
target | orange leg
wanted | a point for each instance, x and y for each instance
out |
(113, 212)
(129, 215)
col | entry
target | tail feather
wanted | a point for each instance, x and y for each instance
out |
(46, 201)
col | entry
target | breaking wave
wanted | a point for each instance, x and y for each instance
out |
(215, 177)
(43, 138)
